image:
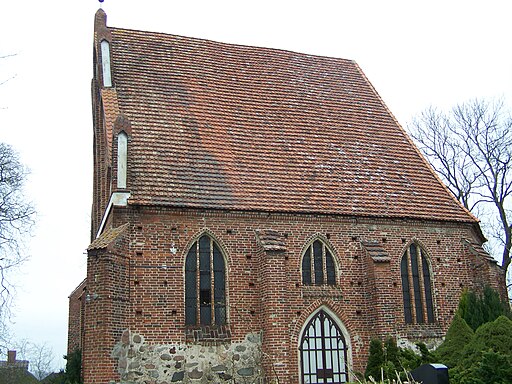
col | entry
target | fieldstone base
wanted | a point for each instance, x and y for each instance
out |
(139, 362)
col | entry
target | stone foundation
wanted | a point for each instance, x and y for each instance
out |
(139, 362)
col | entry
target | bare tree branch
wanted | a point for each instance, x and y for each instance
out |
(471, 150)
(16, 221)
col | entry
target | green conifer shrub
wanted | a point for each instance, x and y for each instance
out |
(491, 340)
(458, 336)
(375, 360)
(477, 310)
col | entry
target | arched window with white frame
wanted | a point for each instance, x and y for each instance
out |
(324, 351)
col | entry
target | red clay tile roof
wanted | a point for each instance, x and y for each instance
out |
(225, 126)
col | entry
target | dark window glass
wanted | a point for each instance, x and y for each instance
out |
(220, 286)
(428, 289)
(318, 265)
(306, 268)
(190, 286)
(329, 266)
(205, 287)
(406, 289)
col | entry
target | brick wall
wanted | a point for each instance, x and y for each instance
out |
(76, 318)
(141, 284)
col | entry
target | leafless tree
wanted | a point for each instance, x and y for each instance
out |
(40, 357)
(16, 220)
(471, 149)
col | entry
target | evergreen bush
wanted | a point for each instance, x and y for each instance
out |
(492, 340)
(477, 310)
(375, 359)
(458, 336)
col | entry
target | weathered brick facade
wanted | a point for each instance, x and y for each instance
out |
(76, 317)
(134, 327)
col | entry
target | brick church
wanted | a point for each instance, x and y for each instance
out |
(258, 216)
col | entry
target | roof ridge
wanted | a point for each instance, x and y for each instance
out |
(239, 45)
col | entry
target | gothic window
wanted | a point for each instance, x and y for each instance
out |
(105, 63)
(205, 284)
(323, 351)
(318, 265)
(416, 286)
(122, 158)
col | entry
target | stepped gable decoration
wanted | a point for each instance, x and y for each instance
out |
(226, 126)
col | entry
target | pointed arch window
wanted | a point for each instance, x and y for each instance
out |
(105, 63)
(323, 351)
(416, 286)
(318, 265)
(122, 159)
(205, 284)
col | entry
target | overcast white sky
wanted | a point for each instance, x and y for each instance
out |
(416, 54)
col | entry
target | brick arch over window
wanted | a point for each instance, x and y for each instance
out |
(205, 283)
(318, 264)
(416, 285)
